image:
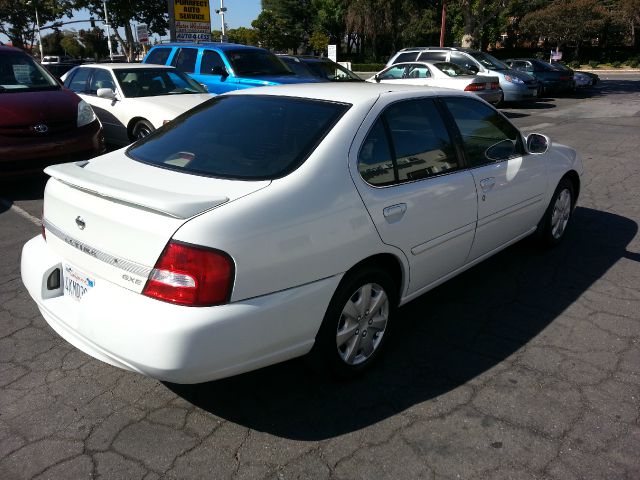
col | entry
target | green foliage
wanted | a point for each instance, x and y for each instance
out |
(71, 46)
(367, 67)
(594, 64)
(243, 35)
(18, 18)
(633, 63)
(616, 64)
(95, 43)
(574, 64)
(271, 32)
(319, 41)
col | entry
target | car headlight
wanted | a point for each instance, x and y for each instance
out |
(511, 79)
(86, 115)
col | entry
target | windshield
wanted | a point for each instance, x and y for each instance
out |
(151, 82)
(332, 71)
(20, 73)
(249, 63)
(452, 69)
(489, 62)
(247, 137)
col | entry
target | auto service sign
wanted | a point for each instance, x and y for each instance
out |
(192, 20)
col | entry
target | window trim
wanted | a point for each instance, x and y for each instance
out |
(462, 165)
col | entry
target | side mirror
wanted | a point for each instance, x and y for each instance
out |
(219, 70)
(106, 93)
(376, 77)
(537, 143)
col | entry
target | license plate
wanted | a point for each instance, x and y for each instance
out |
(76, 283)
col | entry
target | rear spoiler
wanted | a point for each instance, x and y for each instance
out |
(172, 204)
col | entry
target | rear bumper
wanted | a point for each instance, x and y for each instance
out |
(24, 155)
(491, 96)
(175, 343)
(519, 92)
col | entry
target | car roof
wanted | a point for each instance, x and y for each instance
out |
(8, 49)
(218, 45)
(353, 93)
(128, 66)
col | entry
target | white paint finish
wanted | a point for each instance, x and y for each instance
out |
(291, 239)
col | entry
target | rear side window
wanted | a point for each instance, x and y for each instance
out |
(78, 81)
(433, 56)
(406, 57)
(158, 56)
(246, 137)
(185, 60)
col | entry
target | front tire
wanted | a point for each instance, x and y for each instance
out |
(356, 324)
(141, 129)
(553, 226)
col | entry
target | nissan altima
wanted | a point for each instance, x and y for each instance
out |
(272, 223)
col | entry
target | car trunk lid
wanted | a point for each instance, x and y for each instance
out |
(111, 217)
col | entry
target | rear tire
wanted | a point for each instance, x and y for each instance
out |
(356, 325)
(553, 226)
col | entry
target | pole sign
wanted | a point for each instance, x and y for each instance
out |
(332, 52)
(556, 55)
(143, 34)
(192, 20)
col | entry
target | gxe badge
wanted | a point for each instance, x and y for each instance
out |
(80, 223)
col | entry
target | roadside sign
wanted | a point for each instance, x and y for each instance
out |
(192, 20)
(556, 55)
(143, 34)
(332, 52)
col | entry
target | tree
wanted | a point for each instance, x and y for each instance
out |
(122, 12)
(272, 32)
(567, 21)
(95, 43)
(319, 42)
(18, 18)
(630, 12)
(476, 14)
(71, 46)
(296, 17)
(243, 35)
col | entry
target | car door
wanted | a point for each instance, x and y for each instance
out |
(112, 113)
(209, 73)
(510, 183)
(418, 193)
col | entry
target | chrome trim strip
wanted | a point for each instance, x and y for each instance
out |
(121, 263)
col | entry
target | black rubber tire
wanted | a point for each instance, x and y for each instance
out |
(544, 234)
(141, 129)
(324, 356)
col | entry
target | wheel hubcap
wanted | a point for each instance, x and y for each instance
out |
(362, 324)
(561, 213)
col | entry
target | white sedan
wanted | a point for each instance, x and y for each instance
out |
(133, 99)
(276, 222)
(441, 74)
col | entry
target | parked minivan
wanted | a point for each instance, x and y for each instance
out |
(223, 67)
(41, 122)
(516, 86)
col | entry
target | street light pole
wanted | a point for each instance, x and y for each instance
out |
(106, 24)
(444, 22)
(223, 37)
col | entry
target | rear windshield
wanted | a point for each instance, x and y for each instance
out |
(332, 71)
(255, 63)
(150, 82)
(489, 62)
(248, 137)
(20, 73)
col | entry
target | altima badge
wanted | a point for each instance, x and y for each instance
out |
(80, 223)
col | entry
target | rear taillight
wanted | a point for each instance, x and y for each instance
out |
(191, 275)
(474, 87)
(495, 86)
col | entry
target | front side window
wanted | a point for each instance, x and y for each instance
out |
(101, 79)
(210, 59)
(418, 71)
(256, 63)
(487, 136)
(185, 60)
(150, 82)
(408, 142)
(393, 73)
(246, 137)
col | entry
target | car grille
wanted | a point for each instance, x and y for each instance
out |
(29, 131)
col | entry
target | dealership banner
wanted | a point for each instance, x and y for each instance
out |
(192, 20)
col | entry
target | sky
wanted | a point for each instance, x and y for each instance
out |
(240, 13)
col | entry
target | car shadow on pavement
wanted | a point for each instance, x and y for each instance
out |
(441, 341)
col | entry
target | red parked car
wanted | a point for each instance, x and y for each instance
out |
(41, 122)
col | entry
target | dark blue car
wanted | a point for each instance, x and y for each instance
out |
(223, 67)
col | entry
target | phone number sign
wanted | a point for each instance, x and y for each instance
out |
(192, 19)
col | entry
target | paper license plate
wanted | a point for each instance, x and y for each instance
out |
(76, 283)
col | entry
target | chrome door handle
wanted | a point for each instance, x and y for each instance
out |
(487, 184)
(393, 213)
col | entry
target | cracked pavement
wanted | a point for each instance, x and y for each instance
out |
(525, 367)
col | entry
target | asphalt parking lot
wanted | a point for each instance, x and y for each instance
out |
(525, 367)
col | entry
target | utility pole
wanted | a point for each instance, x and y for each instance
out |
(444, 21)
(39, 36)
(221, 12)
(106, 24)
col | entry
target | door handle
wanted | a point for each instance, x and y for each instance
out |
(487, 184)
(394, 213)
